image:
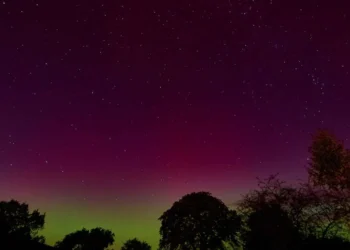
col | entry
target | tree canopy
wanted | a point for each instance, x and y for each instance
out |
(330, 161)
(18, 223)
(329, 173)
(94, 239)
(135, 244)
(198, 221)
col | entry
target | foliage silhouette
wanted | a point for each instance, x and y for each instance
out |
(95, 239)
(330, 162)
(318, 209)
(270, 228)
(329, 174)
(313, 211)
(17, 223)
(135, 244)
(198, 221)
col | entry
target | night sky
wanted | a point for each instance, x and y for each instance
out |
(112, 110)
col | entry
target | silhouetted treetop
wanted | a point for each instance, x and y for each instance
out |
(329, 174)
(135, 244)
(18, 223)
(95, 239)
(198, 221)
(330, 161)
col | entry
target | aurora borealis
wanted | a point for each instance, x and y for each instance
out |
(113, 110)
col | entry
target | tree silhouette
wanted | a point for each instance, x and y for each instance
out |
(274, 192)
(198, 221)
(95, 239)
(17, 223)
(314, 211)
(270, 228)
(329, 174)
(330, 162)
(318, 209)
(135, 244)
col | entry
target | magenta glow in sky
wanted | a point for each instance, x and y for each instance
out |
(112, 110)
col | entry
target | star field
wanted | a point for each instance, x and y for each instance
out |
(112, 110)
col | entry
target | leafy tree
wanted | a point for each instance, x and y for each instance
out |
(198, 221)
(330, 162)
(18, 223)
(95, 239)
(135, 244)
(329, 174)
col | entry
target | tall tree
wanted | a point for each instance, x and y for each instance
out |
(95, 239)
(18, 223)
(329, 173)
(135, 244)
(198, 221)
(330, 162)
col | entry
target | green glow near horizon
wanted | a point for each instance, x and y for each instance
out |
(126, 223)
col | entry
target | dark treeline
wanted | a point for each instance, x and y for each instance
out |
(311, 215)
